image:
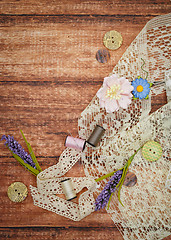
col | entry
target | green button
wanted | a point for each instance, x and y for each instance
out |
(152, 151)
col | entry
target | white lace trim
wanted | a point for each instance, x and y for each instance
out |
(48, 186)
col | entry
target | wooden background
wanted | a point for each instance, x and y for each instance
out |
(49, 74)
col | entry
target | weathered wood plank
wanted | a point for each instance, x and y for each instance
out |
(58, 48)
(74, 233)
(71, 233)
(94, 7)
(47, 112)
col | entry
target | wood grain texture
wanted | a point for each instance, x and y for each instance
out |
(61, 48)
(75, 233)
(48, 75)
(77, 7)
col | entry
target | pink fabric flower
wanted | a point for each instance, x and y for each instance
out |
(115, 93)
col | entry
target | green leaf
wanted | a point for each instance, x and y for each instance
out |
(134, 98)
(109, 201)
(147, 97)
(132, 157)
(31, 153)
(124, 173)
(21, 161)
(27, 168)
(107, 175)
(121, 183)
(151, 84)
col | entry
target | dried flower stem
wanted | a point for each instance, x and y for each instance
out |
(28, 161)
(116, 181)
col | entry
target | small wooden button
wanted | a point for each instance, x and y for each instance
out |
(103, 55)
(152, 151)
(17, 192)
(112, 40)
(130, 179)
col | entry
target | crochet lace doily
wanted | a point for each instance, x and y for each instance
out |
(146, 212)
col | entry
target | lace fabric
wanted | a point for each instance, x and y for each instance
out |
(168, 180)
(168, 84)
(168, 93)
(146, 212)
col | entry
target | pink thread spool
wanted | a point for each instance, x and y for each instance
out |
(76, 143)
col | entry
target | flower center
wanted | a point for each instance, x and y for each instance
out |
(139, 88)
(113, 92)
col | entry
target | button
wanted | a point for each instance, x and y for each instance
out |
(17, 192)
(112, 40)
(130, 179)
(152, 151)
(103, 55)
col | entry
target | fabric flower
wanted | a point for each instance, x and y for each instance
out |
(115, 93)
(109, 188)
(17, 149)
(141, 88)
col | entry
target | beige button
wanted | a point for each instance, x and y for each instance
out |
(112, 40)
(130, 179)
(17, 192)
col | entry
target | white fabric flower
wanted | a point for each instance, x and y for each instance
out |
(115, 93)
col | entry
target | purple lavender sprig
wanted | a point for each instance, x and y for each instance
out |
(109, 188)
(116, 180)
(17, 149)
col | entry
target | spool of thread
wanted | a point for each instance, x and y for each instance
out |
(96, 135)
(68, 189)
(76, 143)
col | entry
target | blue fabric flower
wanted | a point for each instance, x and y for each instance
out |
(141, 88)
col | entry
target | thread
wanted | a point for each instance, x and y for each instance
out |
(68, 189)
(143, 68)
(96, 135)
(76, 143)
